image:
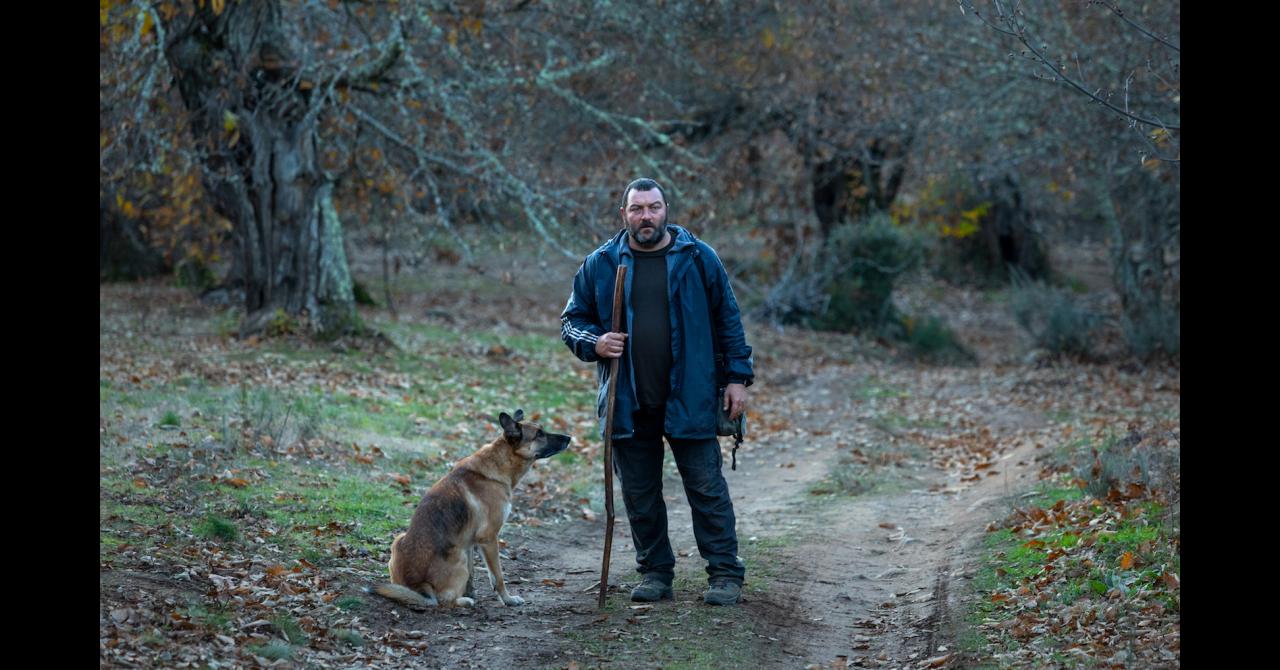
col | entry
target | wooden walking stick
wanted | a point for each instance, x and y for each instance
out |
(618, 288)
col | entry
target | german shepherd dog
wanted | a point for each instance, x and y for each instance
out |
(431, 562)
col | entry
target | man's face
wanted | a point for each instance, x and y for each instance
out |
(646, 217)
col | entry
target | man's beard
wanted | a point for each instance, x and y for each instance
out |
(660, 231)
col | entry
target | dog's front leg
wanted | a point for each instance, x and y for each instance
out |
(495, 574)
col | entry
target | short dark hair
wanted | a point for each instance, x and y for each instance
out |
(642, 184)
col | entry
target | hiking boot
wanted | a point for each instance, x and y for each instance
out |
(723, 591)
(651, 589)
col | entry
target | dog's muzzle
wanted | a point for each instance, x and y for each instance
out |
(555, 444)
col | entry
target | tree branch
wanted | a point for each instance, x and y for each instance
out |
(1120, 13)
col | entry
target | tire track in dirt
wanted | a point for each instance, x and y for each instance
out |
(867, 578)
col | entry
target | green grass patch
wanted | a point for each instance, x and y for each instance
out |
(1048, 494)
(216, 619)
(152, 638)
(348, 603)
(290, 629)
(853, 478)
(216, 527)
(272, 650)
(1128, 552)
(170, 418)
(764, 559)
(874, 389)
(302, 503)
(348, 637)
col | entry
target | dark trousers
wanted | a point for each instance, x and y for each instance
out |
(638, 464)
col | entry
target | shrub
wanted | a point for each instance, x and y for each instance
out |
(1052, 316)
(865, 259)
(930, 340)
(361, 293)
(1152, 331)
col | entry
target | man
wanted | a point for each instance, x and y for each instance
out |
(677, 299)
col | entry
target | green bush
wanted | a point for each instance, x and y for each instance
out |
(1155, 330)
(866, 259)
(361, 293)
(1053, 317)
(929, 340)
(194, 274)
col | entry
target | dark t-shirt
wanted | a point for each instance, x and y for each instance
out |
(651, 333)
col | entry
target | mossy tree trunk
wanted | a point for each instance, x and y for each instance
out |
(257, 125)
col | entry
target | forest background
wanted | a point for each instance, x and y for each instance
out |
(941, 185)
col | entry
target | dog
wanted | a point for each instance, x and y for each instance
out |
(431, 562)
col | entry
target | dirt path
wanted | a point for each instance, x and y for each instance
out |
(867, 577)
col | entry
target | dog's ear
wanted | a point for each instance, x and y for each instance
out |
(510, 428)
(519, 415)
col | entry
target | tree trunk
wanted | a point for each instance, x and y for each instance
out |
(856, 182)
(1010, 234)
(1144, 215)
(235, 72)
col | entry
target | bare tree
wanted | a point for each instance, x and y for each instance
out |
(1125, 61)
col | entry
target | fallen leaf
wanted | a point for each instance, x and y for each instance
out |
(1126, 560)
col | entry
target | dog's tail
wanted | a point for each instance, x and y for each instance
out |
(404, 595)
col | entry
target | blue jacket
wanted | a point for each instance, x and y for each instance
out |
(691, 406)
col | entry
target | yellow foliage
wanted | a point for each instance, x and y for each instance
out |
(940, 207)
(768, 39)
